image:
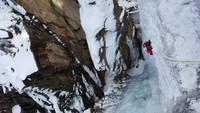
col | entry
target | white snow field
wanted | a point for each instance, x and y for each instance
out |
(14, 69)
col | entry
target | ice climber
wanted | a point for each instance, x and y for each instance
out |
(148, 47)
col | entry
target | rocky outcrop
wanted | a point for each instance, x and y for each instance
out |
(60, 73)
(13, 98)
(47, 50)
(74, 89)
(62, 18)
(61, 53)
(125, 32)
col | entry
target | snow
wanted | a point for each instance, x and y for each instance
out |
(16, 109)
(173, 28)
(168, 80)
(112, 92)
(128, 3)
(118, 100)
(46, 98)
(15, 69)
(137, 70)
(195, 105)
(188, 78)
(96, 15)
(141, 95)
(159, 82)
(39, 97)
(93, 75)
(87, 111)
(90, 90)
(49, 99)
(55, 103)
(92, 21)
(78, 103)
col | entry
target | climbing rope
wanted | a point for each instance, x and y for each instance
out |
(177, 60)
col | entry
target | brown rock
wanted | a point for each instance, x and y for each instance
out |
(125, 31)
(58, 69)
(56, 55)
(10, 99)
(62, 17)
(68, 80)
(47, 52)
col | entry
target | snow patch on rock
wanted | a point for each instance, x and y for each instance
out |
(16, 109)
(15, 68)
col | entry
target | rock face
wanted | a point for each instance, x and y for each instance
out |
(48, 52)
(60, 73)
(125, 28)
(67, 79)
(61, 17)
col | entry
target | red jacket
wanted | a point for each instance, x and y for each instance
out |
(150, 51)
(147, 45)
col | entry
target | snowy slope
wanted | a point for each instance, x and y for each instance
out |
(173, 27)
(14, 66)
